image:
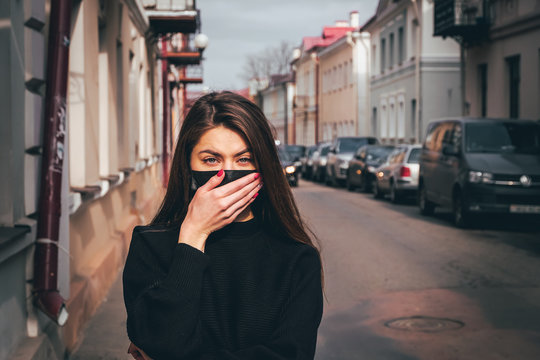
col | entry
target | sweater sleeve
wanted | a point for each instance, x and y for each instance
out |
(162, 303)
(296, 334)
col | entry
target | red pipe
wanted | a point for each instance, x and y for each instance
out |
(46, 295)
(166, 112)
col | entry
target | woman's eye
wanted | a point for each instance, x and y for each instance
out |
(244, 160)
(210, 160)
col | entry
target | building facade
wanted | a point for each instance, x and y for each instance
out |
(503, 70)
(306, 70)
(112, 121)
(276, 103)
(344, 90)
(415, 77)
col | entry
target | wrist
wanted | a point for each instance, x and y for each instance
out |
(193, 237)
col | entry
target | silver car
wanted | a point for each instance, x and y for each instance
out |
(319, 162)
(399, 175)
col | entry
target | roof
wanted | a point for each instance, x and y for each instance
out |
(329, 35)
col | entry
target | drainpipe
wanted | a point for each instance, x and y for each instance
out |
(418, 134)
(315, 58)
(166, 111)
(46, 295)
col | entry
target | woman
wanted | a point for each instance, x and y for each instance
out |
(226, 269)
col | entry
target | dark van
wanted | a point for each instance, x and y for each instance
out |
(480, 166)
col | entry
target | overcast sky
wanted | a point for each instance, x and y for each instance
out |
(237, 28)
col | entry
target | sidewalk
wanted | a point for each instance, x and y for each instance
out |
(105, 335)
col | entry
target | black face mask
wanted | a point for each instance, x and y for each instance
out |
(199, 178)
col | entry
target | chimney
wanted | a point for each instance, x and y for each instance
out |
(354, 19)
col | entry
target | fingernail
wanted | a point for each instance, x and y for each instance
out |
(254, 196)
(257, 175)
(220, 172)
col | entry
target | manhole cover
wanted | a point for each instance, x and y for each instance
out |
(424, 324)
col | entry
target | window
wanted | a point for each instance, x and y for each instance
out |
(401, 118)
(413, 117)
(391, 50)
(374, 121)
(383, 55)
(482, 87)
(373, 59)
(401, 46)
(512, 64)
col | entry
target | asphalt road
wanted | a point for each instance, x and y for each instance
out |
(402, 286)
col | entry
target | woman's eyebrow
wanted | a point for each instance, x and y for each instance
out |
(210, 152)
(241, 152)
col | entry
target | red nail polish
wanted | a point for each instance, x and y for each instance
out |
(220, 172)
(257, 175)
(254, 196)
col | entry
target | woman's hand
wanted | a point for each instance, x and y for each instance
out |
(137, 353)
(214, 207)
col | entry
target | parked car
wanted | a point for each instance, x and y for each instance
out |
(480, 166)
(398, 176)
(307, 162)
(296, 152)
(339, 155)
(319, 162)
(362, 166)
(290, 170)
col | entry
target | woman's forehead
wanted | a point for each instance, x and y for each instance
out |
(222, 140)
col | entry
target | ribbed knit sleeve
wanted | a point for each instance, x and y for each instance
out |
(296, 334)
(162, 300)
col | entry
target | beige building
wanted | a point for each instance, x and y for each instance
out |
(306, 70)
(502, 67)
(111, 121)
(344, 91)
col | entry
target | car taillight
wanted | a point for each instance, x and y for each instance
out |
(405, 171)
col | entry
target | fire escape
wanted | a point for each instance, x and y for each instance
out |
(468, 23)
(176, 25)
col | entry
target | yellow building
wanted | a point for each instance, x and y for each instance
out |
(344, 90)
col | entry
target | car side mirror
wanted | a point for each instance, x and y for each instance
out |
(450, 150)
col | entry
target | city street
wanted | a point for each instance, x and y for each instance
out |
(385, 262)
(471, 294)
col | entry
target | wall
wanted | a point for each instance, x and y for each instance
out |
(494, 54)
(338, 103)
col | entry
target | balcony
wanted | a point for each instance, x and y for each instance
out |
(172, 16)
(465, 20)
(191, 75)
(181, 50)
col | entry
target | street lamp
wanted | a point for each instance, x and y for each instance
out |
(201, 42)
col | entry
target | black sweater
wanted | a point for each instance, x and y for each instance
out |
(250, 295)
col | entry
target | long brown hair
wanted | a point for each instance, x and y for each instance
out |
(275, 205)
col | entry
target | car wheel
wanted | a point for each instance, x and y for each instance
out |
(462, 217)
(377, 193)
(395, 196)
(348, 183)
(426, 206)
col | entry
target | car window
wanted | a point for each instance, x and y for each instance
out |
(324, 150)
(414, 156)
(442, 136)
(498, 137)
(431, 135)
(283, 155)
(380, 152)
(350, 145)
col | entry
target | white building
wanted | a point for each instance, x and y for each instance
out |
(276, 102)
(414, 76)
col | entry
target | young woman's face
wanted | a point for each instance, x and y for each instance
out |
(221, 148)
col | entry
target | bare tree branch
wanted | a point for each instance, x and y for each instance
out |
(271, 61)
